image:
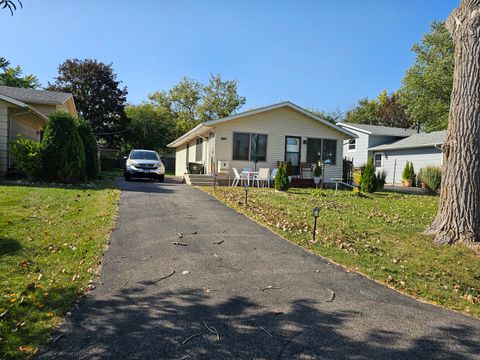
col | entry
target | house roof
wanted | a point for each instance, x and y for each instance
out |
(379, 130)
(35, 96)
(207, 125)
(414, 141)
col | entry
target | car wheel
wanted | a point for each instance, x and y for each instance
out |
(161, 178)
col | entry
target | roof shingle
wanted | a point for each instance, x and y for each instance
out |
(381, 130)
(414, 141)
(34, 96)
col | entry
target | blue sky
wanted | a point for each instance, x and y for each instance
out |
(319, 54)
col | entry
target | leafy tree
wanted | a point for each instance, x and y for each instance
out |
(191, 102)
(369, 178)
(427, 85)
(10, 5)
(150, 127)
(386, 110)
(365, 112)
(332, 116)
(12, 76)
(63, 153)
(98, 96)
(392, 112)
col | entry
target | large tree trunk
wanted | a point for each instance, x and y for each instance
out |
(458, 217)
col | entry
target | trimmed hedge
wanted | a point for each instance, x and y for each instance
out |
(27, 156)
(90, 147)
(63, 151)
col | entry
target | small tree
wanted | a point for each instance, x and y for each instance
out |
(411, 173)
(63, 152)
(369, 179)
(317, 172)
(406, 172)
(381, 176)
(281, 179)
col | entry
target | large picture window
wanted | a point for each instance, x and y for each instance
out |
(321, 150)
(249, 147)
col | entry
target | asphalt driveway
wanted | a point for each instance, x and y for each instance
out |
(238, 291)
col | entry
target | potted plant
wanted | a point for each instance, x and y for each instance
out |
(289, 170)
(317, 174)
(406, 177)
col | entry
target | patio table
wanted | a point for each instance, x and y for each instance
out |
(250, 175)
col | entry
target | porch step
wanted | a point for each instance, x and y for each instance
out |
(199, 180)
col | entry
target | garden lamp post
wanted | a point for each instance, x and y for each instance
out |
(316, 214)
(245, 187)
(214, 181)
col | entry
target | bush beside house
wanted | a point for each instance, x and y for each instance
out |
(67, 154)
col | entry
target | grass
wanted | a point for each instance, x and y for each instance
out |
(51, 240)
(379, 235)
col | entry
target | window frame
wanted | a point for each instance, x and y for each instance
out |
(249, 145)
(321, 149)
(349, 144)
(375, 161)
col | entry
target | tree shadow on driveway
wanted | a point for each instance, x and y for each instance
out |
(183, 325)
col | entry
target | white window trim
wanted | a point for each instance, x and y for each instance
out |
(348, 145)
(381, 160)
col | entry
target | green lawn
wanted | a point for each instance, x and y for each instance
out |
(379, 235)
(51, 240)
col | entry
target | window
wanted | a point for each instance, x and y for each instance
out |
(352, 144)
(249, 147)
(378, 160)
(321, 150)
(199, 150)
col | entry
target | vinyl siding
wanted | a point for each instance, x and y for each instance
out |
(365, 141)
(421, 157)
(277, 124)
(180, 160)
(3, 138)
(360, 154)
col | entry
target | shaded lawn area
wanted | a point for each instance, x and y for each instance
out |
(51, 240)
(379, 235)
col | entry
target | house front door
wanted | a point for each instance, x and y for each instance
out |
(292, 152)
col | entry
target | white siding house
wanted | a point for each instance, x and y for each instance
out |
(369, 136)
(422, 150)
(280, 132)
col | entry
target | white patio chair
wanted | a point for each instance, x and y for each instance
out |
(272, 175)
(239, 178)
(263, 176)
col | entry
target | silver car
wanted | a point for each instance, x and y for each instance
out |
(144, 164)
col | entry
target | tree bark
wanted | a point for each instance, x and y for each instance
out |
(458, 217)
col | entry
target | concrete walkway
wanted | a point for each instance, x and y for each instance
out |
(265, 297)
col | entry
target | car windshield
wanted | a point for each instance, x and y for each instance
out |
(143, 155)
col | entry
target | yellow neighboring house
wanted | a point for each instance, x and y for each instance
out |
(279, 132)
(25, 111)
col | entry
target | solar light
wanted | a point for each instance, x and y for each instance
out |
(315, 214)
(245, 187)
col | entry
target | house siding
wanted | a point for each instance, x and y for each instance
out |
(364, 141)
(277, 124)
(3, 137)
(420, 157)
